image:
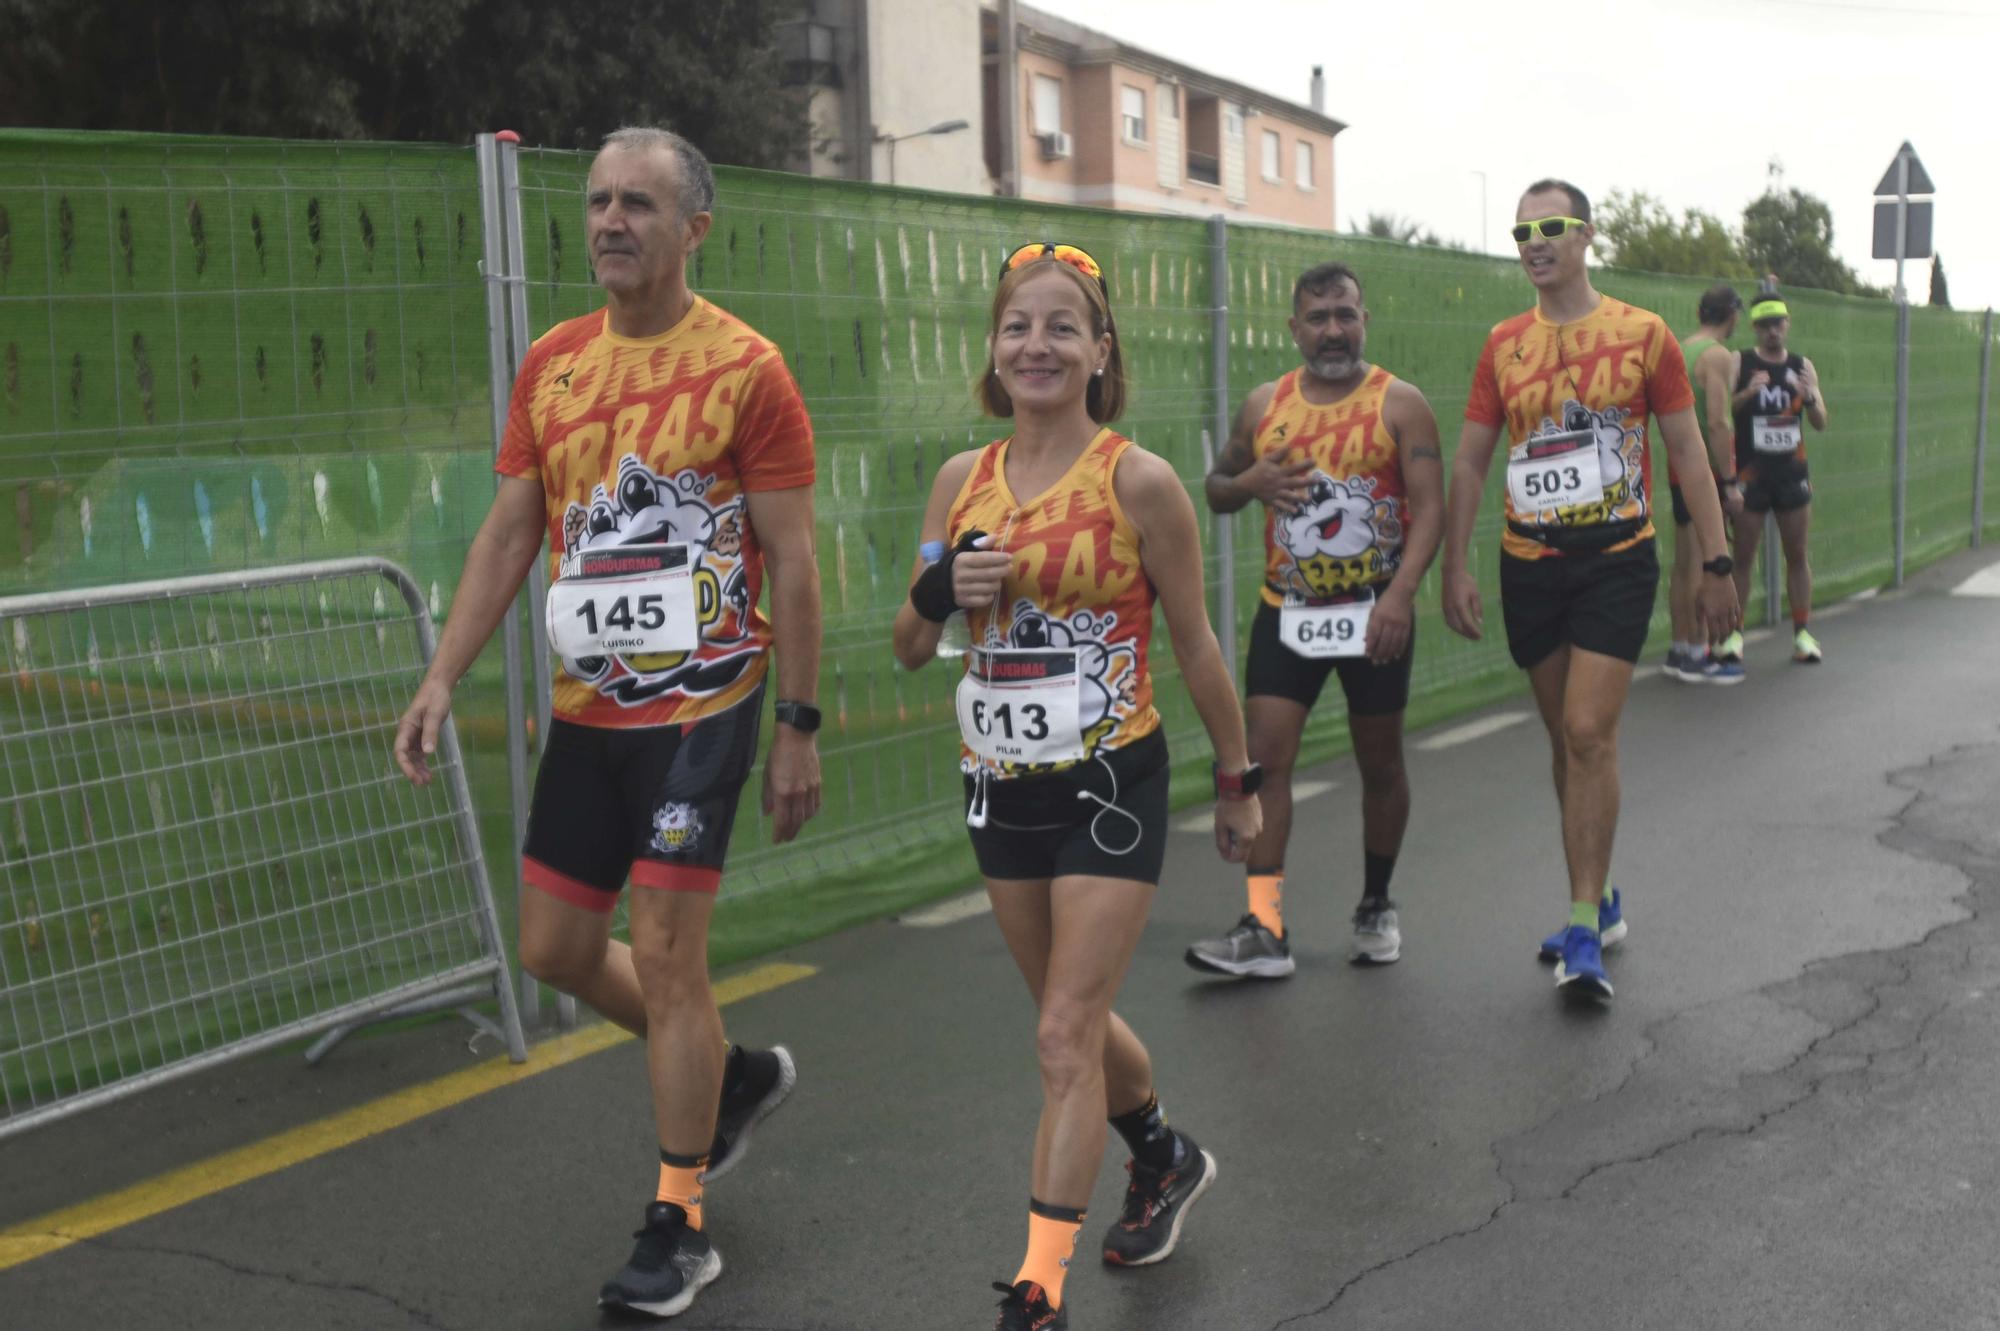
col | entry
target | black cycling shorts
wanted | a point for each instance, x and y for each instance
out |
(1277, 671)
(655, 804)
(1058, 825)
(1682, 517)
(1600, 602)
(1779, 485)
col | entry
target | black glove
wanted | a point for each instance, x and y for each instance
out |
(931, 593)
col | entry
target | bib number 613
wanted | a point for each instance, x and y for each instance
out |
(1033, 718)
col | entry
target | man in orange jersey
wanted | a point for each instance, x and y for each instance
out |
(1345, 458)
(662, 447)
(1573, 381)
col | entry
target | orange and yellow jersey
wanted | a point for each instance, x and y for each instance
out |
(1348, 534)
(1075, 581)
(657, 439)
(1603, 373)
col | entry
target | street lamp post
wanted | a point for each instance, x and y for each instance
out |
(942, 127)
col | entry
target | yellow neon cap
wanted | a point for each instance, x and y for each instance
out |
(1768, 309)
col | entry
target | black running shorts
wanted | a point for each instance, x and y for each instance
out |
(1682, 517)
(1776, 486)
(654, 804)
(1277, 671)
(1043, 827)
(1600, 602)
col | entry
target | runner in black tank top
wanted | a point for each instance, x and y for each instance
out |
(1776, 396)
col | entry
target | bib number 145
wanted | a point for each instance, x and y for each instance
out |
(648, 610)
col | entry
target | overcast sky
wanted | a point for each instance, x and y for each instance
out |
(1688, 100)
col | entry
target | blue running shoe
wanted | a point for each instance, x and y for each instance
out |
(1610, 927)
(1581, 966)
(1712, 669)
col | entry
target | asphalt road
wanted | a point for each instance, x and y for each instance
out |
(1785, 1119)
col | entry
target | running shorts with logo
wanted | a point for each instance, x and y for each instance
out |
(655, 804)
(1588, 385)
(1774, 478)
(1074, 589)
(647, 442)
(1682, 516)
(1345, 537)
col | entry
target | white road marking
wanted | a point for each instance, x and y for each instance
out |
(1868, 595)
(1839, 608)
(948, 912)
(1471, 730)
(1986, 582)
(1757, 635)
(1204, 819)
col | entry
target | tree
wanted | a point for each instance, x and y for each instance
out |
(1634, 230)
(1790, 232)
(1940, 294)
(439, 70)
(1404, 231)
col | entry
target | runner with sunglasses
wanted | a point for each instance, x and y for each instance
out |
(1572, 381)
(1345, 458)
(1775, 393)
(1059, 540)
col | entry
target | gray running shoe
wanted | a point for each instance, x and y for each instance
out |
(1378, 939)
(668, 1268)
(1247, 950)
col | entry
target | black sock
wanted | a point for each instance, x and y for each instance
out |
(1152, 1143)
(1375, 871)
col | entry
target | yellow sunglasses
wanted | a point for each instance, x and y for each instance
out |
(1069, 254)
(1549, 227)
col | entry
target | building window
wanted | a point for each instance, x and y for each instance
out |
(1204, 138)
(1048, 105)
(1169, 102)
(1302, 161)
(1133, 105)
(1271, 147)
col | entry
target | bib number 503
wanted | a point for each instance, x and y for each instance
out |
(619, 614)
(1033, 719)
(1551, 482)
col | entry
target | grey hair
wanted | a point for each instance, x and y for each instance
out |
(697, 180)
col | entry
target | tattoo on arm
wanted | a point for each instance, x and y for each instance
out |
(1422, 452)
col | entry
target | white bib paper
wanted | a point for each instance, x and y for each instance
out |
(1320, 632)
(1775, 434)
(1022, 706)
(624, 601)
(1555, 471)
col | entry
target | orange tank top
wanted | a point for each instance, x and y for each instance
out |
(1348, 535)
(1075, 581)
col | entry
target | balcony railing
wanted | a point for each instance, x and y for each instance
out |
(1204, 167)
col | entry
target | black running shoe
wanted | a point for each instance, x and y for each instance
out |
(1026, 1308)
(767, 1078)
(1156, 1201)
(667, 1269)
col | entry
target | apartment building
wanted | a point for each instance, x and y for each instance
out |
(928, 93)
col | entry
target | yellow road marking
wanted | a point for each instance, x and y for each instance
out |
(59, 1229)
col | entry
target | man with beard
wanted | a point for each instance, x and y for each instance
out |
(1344, 456)
(663, 448)
(1775, 390)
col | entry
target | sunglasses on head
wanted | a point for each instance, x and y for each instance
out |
(1068, 254)
(1548, 227)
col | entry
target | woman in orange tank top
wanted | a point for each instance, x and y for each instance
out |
(1061, 539)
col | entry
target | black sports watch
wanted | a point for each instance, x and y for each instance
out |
(1238, 785)
(1721, 566)
(800, 716)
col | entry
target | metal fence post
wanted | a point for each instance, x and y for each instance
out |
(1979, 440)
(500, 372)
(1900, 495)
(524, 337)
(1225, 523)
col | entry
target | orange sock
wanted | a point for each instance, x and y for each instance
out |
(680, 1183)
(1267, 890)
(1052, 1232)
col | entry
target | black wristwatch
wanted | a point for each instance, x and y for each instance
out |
(1721, 566)
(1238, 785)
(800, 716)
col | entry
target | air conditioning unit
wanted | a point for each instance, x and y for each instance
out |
(1055, 146)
